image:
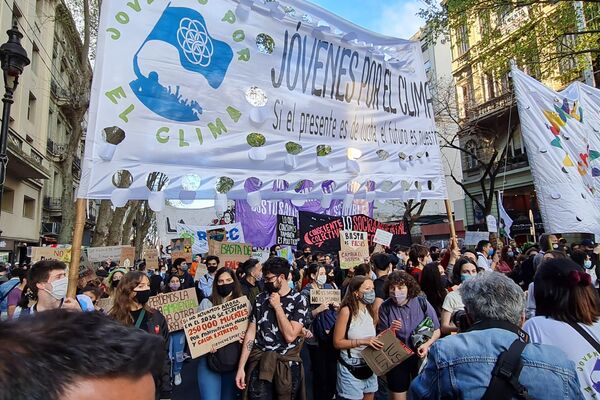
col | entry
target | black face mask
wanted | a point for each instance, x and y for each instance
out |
(271, 288)
(115, 283)
(306, 255)
(142, 296)
(225, 290)
(212, 269)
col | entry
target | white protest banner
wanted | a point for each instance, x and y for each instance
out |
(382, 237)
(199, 237)
(114, 253)
(216, 327)
(492, 224)
(472, 238)
(175, 306)
(325, 296)
(354, 248)
(168, 218)
(268, 90)
(560, 131)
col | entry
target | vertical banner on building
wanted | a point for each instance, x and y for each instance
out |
(561, 133)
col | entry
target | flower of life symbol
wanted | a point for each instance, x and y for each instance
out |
(195, 42)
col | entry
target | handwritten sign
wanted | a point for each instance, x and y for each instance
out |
(201, 270)
(383, 237)
(325, 296)
(127, 257)
(175, 306)
(393, 353)
(151, 257)
(472, 238)
(114, 253)
(51, 253)
(230, 254)
(287, 230)
(181, 248)
(354, 248)
(216, 327)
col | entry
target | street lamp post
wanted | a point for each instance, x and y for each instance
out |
(13, 59)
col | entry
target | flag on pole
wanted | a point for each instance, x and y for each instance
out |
(506, 219)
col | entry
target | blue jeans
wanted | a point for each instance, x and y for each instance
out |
(176, 347)
(214, 385)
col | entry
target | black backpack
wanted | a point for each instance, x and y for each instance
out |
(225, 359)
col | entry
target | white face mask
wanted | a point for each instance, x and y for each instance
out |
(321, 279)
(59, 288)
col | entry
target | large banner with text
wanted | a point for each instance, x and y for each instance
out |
(213, 94)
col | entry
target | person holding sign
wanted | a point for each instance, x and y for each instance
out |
(354, 331)
(405, 312)
(216, 370)
(130, 308)
(176, 339)
(321, 321)
(272, 344)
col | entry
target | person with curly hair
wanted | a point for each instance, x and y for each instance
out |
(131, 309)
(404, 311)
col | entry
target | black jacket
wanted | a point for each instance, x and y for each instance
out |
(157, 325)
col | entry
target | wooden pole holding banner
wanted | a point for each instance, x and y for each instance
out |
(451, 221)
(76, 247)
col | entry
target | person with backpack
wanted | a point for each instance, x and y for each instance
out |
(354, 331)
(323, 357)
(217, 369)
(494, 359)
(10, 291)
(415, 323)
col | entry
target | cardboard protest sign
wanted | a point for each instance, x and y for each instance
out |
(175, 306)
(472, 238)
(383, 237)
(113, 253)
(393, 353)
(201, 270)
(287, 230)
(354, 248)
(230, 254)
(216, 327)
(151, 257)
(127, 257)
(51, 253)
(181, 248)
(322, 232)
(325, 296)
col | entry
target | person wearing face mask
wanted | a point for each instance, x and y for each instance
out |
(216, 370)
(176, 339)
(273, 339)
(252, 283)
(354, 331)
(507, 260)
(583, 259)
(486, 257)
(419, 257)
(321, 319)
(187, 281)
(433, 284)
(114, 277)
(403, 311)
(464, 269)
(205, 284)
(46, 289)
(131, 309)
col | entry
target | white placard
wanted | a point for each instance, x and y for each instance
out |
(492, 224)
(472, 238)
(383, 237)
(561, 133)
(266, 90)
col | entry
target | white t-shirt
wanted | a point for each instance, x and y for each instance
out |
(453, 302)
(483, 262)
(559, 334)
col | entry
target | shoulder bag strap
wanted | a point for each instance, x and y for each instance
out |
(348, 328)
(7, 293)
(140, 318)
(505, 375)
(585, 335)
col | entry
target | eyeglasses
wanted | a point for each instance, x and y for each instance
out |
(270, 278)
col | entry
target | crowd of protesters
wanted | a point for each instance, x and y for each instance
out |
(492, 322)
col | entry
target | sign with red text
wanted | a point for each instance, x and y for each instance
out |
(51, 253)
(217, 327)
(175, 306)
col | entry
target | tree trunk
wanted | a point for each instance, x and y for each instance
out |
(144, 220)
(115, 230)
(128, 225)
(68, 208)
(103, 220)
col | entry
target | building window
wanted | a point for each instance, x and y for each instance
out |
(31, 107)
(462, 39)
(487, 83)
(471, 160)
(35, 59)
(28, 207)
(464, 100)
(8, 199)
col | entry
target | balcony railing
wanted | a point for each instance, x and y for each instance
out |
(51, 228)
(54, 148)
(497, 103)
(53, 203)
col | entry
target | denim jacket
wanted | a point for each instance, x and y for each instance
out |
(460, 367)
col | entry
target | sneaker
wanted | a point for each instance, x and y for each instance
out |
(177, 379)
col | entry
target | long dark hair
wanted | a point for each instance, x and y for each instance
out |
(351, 300)
(433, 287)
(121, 309)
(215, 298)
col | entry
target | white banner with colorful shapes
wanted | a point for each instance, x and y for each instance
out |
(212, 93)
(561, 131)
